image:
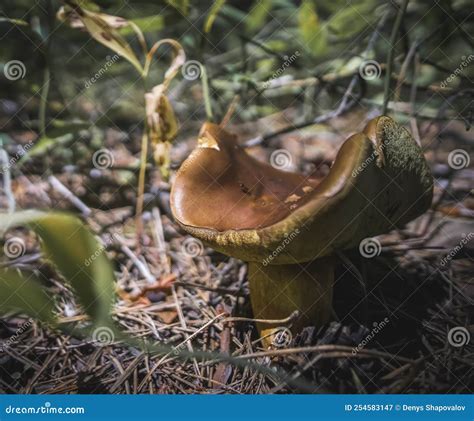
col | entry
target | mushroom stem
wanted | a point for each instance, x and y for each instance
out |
(276, 291)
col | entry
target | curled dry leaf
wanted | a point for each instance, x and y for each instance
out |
(178, 59)
(73, 18)
(160, 116)
(161, 120)
(102, 27)
(162, 126)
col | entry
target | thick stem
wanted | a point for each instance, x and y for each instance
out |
(276, 291)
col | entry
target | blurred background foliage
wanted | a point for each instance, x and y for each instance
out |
(241, 43)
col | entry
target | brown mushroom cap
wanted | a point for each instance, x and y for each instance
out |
(248, 209)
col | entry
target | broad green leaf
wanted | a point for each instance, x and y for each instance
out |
(258, 14)
(313, 33)
(211, 17)
(24, 293)
(80, 259)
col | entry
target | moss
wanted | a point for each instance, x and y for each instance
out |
(403, 153)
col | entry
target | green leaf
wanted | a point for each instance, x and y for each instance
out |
(111, 38)
(146, 24)
(44, 144)
(313, 34)
(14, 21)
(25, 294)
(58, 127)
(211, 17)
(182, 6)
(353, 18)
(258, 14)
(71, 247)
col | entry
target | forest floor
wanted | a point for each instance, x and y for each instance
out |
(404, 317)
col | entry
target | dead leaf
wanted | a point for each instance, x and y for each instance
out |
(162, 284)
(162, 126)
(178, 59)
(72, 17)
(138, 294)
(457, 210)
(167, 316)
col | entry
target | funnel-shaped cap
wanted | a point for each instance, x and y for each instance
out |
(247, 209)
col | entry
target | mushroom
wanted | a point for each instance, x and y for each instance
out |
(289, 226)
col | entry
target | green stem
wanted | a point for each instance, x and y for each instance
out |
(391, 54)
(141, 176)
(206, 94)
(141, 185)
(44, 101)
